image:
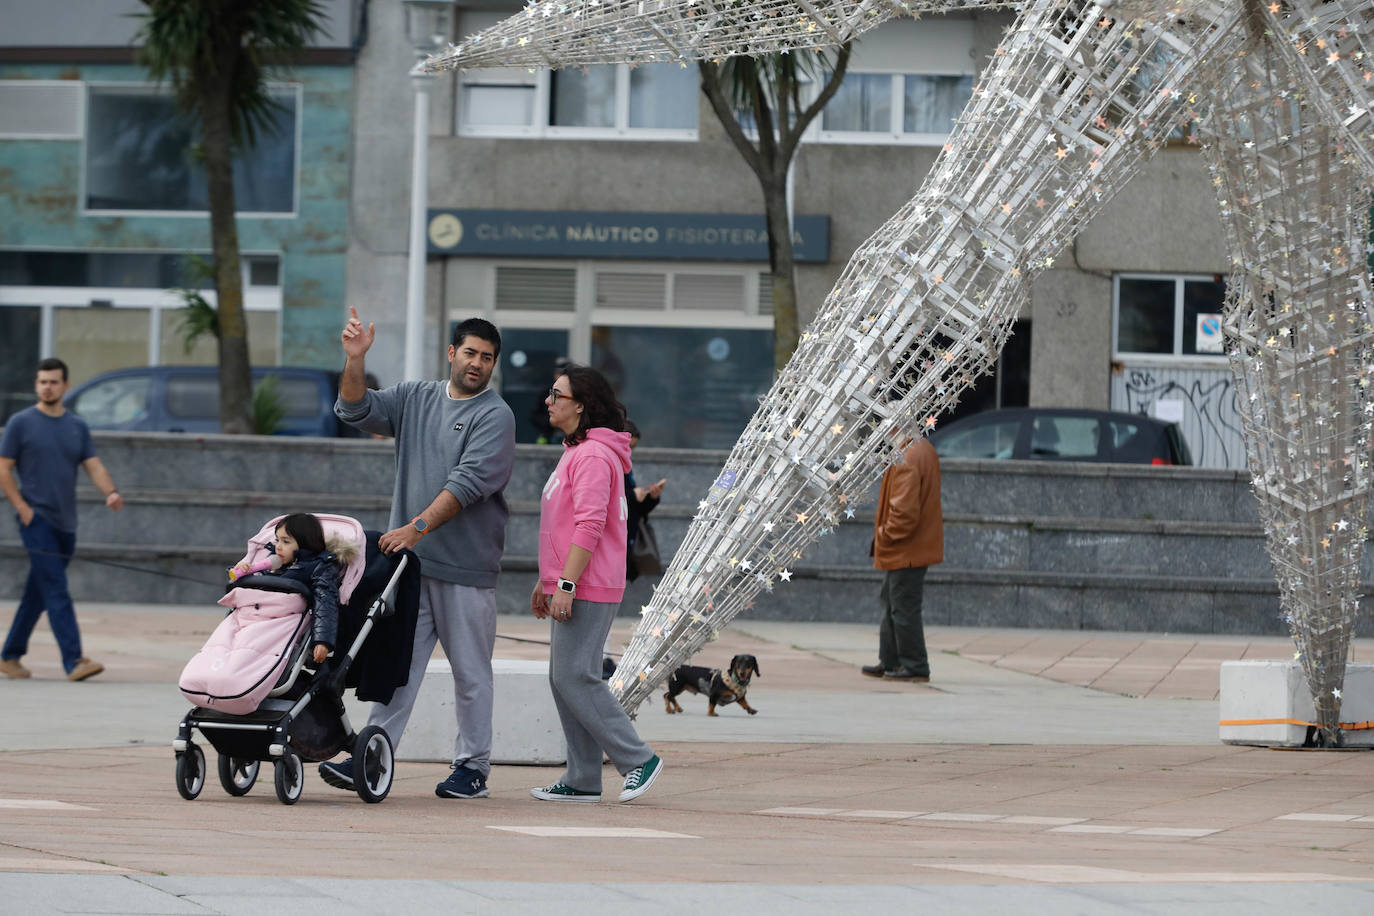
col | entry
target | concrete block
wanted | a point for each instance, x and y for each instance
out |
(525, 726)
(1267, 703)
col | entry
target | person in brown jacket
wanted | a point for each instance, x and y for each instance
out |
(908, 537)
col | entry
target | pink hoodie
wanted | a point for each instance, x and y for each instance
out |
(584, 504)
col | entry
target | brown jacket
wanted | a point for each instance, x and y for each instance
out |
(909, 530)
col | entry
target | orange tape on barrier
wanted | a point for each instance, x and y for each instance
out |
(1347, 726)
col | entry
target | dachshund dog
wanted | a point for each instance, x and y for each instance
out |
(721, 687)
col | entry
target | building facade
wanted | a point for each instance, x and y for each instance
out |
(103, 214)
(602, 215)
(596, 214)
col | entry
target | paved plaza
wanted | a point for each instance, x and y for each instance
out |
(1038, 772)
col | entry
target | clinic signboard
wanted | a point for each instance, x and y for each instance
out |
(620, 236)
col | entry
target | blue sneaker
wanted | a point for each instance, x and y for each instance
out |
(339, 775)
(638, 780)
(464, 783)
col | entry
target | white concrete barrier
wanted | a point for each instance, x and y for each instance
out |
(525, 726)
(1267, 703)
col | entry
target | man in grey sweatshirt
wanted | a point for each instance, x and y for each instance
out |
(455, 447)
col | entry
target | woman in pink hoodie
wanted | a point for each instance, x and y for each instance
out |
(581, 580)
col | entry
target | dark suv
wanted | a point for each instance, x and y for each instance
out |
(1063, 434)
(185, 399)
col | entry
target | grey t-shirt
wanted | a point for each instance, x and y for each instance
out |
(47, 452)
(463, 445)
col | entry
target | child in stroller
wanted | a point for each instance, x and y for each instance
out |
(263, 685)
(303, 553)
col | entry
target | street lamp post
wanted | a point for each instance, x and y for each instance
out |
(428, 26)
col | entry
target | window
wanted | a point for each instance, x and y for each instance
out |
(651, 101)
(103, 310)
(497, 98)
(979, 440)
(1169, 315)
(684, 345)
(924, 110)
(1063, 437)
(863, 102)
(686, 387)
(115, 402)
(193, 397)
(139, 156)
(930, 104)
(529, 357)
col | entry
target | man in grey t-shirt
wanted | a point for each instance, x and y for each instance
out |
(455, 447)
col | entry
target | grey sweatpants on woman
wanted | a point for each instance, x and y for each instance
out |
(593, 720)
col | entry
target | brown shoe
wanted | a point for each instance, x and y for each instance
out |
(84, 668)
(10, 667)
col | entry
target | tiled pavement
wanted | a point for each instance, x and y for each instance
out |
(885, 808)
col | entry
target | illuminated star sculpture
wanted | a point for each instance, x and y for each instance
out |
(1077, 96)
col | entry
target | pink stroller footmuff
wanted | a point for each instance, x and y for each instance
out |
(246, 655)
(263, 637)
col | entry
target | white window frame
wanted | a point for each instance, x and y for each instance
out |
(155, 299)
(542, 130)
(895, 135)
(1177, 357)
(296, 89)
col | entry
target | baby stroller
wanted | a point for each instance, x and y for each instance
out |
(259, 695)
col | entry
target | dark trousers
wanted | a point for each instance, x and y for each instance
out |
(49, 552)
(901, 635)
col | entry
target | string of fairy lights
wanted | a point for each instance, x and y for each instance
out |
(1074, 99)
(1295, 206)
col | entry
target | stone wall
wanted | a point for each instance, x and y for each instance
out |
(1035, 544)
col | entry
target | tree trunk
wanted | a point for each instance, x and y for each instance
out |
(235, 373)
(782, 267)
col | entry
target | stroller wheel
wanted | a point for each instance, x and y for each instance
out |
(289, 777)
(373, 764)
(190, 771)
(237, 774)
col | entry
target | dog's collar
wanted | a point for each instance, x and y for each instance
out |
(728, 678)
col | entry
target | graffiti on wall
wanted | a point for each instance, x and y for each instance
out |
(1210, 423)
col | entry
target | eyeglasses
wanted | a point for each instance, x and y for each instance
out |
(554, 394)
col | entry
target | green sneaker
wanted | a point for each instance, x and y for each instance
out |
(638, 780)
(560, 792)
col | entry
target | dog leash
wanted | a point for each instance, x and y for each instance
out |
(171, 575)
(125, 566)
(544, 642)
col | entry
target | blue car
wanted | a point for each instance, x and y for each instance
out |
(185, 399)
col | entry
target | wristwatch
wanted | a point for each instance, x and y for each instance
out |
(567, 585)
(420, 524)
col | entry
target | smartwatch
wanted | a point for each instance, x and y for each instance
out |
(567, 585)
(420, 524)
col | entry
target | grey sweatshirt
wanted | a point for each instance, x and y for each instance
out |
(465, 446)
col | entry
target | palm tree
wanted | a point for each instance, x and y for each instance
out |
(768, 91)
(216, 54)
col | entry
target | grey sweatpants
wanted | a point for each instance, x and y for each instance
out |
(593, 720)
(463, 620)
